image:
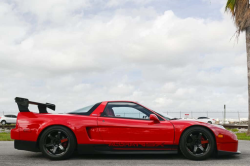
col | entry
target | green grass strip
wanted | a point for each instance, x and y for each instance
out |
(5, 137)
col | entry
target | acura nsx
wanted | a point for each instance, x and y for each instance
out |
(116, 127)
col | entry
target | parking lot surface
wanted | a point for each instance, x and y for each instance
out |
(11, 157)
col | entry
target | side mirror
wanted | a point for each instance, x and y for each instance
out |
(154, 118)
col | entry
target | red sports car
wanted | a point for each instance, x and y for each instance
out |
(120, 127)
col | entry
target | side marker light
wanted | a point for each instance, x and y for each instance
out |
(220, 136)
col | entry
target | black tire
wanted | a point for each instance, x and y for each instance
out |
(3, 122)
(209, 122)
(191, 144)
(52, 139)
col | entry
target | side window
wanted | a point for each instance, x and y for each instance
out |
(129, 112)
(126, 110)
(7, 116)
(13, 116)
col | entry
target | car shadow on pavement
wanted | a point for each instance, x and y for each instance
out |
(144, 157)
(77, 156)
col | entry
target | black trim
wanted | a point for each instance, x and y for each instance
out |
(26, 145)
(140, 152)
(124, 118)
(93, 108)
(106, 149)
(222, 153)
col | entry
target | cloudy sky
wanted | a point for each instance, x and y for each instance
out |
(169, 55)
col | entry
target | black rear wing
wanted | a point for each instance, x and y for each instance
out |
(23, 105)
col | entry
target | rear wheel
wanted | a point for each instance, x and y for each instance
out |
(3, 122)
(57, 143)
(197, 143)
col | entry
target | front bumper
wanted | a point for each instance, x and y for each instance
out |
(229, 147)
(220, 152)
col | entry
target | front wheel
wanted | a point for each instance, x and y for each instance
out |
(197, 143)
(57, 143)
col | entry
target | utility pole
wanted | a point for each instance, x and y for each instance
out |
(239, 116)
(180, 114)
(224, 114)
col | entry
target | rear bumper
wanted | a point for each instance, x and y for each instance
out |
(14, 134)
(26, 145)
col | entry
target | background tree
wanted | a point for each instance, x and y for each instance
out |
(241, 15)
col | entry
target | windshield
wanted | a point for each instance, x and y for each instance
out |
(82, 110)
(166, 116)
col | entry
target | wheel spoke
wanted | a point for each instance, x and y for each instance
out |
(49, 145)
(58, 135)
(51, 137)
(61, 147)
(54, 150)
(201, 148)
(195, 149)
(193, 137)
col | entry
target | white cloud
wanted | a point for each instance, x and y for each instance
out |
(51, 51)
(52, 11)
(116, 3)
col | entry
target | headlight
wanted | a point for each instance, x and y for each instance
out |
(220, 126)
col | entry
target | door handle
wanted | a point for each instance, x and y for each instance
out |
(103, 120)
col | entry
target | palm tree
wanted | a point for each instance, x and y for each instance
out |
(241, 15)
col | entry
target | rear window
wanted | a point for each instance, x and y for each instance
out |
(85, 110)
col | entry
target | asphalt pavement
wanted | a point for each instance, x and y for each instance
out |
(12, 157)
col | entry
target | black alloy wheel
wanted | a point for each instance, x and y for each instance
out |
(197, 143)
(57, 143)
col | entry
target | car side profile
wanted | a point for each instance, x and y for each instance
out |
(116, 127)
(8, 119)
(206, 120)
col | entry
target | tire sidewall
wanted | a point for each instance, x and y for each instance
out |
(183, 144)
(3, 121)
(72, 143)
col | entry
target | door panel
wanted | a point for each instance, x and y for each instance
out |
(12, 119)
(7, 119)
(133, 130)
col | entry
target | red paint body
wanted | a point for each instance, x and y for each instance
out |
(94, 129)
